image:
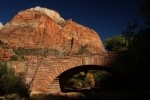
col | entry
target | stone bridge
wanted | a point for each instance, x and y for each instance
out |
(44, 75)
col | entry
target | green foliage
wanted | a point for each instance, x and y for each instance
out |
(14, 58)
(101, 77)
(83, 50)
(77, 81)
(125, 41)
(89, 80)
(11, 82)
(116, 43)
(37, 52)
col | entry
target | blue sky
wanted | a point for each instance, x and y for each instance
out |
(106, 17)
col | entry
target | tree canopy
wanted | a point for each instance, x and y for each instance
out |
(116, 43)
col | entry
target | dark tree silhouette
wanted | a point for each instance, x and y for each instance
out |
(145, 11)
(138, 53)
(130, 32)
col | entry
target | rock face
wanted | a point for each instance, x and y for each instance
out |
(43, 28)
(5, 54)
(51, 13)
(1, 25)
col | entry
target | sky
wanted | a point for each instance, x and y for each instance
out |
(106, 17)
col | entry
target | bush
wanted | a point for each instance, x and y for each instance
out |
(89, 80)
(11, 82)
(14, 58)
(101, 77)
(81, 80)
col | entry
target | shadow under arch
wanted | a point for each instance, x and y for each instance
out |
(63, 77)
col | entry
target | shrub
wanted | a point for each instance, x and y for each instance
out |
(81, 80)
(84, 50)
(11, 82)
(101, 77)
(14, 58)
(37, 52)
(90, 80)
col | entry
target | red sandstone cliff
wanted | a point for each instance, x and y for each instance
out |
(40, 28)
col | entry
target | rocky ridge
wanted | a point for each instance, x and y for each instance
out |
(43, 28)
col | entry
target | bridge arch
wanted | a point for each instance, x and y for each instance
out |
(43, 85)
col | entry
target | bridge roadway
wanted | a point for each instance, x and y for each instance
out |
(43, 76)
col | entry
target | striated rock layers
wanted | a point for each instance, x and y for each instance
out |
(43, 28)
(1, 25)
